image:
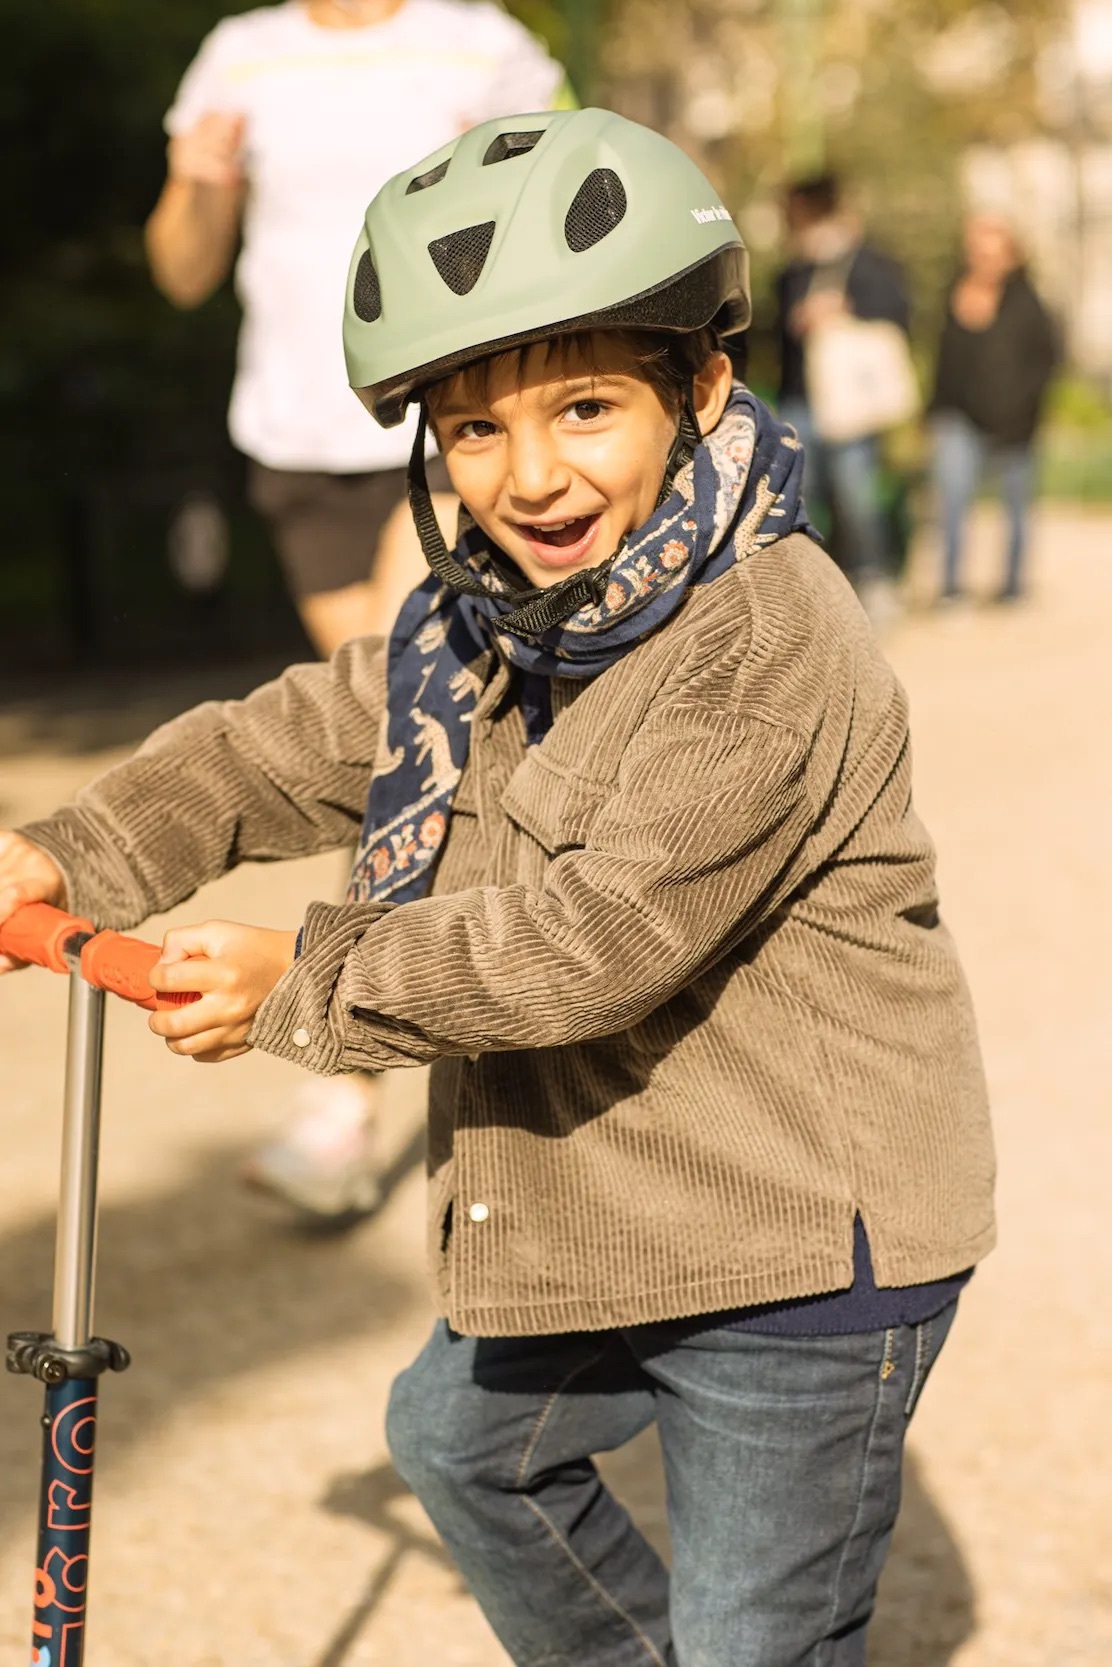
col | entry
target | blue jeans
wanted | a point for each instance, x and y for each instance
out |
(843, 479)
(961, 453)
(782, 1460)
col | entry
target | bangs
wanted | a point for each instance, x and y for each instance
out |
(666, 362)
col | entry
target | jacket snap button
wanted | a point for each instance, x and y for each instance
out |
(301, 1038)
(479, 1212)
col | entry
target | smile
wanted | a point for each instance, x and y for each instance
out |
(561, 543)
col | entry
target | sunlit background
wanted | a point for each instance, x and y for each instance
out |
(114, 463)
(246, 1510)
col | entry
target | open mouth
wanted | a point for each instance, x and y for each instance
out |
(561, 535)
(561, 543)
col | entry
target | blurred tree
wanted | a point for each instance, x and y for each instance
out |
(98, 376)
(102, 379)
(83, 86)
(104, 387)
(887, 92)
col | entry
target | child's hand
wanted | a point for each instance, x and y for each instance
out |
(27, 875)
(235, 968)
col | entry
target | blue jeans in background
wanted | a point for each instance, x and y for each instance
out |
(961, 455)
(782, 1458)
(843, 479)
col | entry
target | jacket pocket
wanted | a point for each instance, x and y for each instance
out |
(554, 808)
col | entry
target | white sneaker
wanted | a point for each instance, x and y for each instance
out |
(324, 1161)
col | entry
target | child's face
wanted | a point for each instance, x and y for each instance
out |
(559, 461)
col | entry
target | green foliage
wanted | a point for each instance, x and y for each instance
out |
(546, 18)
(1080, 406)
(572, 29)
(89, 354)
(804, 84)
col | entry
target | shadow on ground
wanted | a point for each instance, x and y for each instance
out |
(201, 1290)
(373, 1498)
(925, 1613)
(926, 1608)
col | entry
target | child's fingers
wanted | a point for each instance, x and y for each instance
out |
(204, 939)
(210, 1045)
(175, 1024)
(190, 973)
(15, 893)
(219, 1055)
(192, 958)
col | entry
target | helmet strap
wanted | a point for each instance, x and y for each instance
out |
(688, 436)
(437, 553)
(542, 607)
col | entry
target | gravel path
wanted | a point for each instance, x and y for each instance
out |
(246, 1511)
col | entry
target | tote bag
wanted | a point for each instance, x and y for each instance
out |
(860, 378)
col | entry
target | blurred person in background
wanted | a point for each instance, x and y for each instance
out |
(834, 274)
(997, 354)
(284, 126)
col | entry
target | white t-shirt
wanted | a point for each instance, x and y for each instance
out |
(331, 115)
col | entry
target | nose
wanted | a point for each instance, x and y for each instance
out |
(537, 474)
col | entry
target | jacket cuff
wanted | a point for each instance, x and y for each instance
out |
(101, 885)
(301, 1019)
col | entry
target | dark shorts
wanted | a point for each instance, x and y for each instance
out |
(326, 527)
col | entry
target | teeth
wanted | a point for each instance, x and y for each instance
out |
(558, 526)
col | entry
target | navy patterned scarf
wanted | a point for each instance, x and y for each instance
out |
(741, 491)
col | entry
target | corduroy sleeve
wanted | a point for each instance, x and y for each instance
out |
(281, 774)
(702, 837)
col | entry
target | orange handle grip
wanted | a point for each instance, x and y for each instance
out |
(39, 933)
(122, 965)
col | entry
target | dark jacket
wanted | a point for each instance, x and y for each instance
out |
(998, 377)
(874, 287)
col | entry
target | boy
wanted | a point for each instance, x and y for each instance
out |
(639, 873)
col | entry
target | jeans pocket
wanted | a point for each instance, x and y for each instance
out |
(920, 1367)
(926, 1340)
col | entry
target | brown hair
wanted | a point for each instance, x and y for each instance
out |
(819, 194)
(668, 363)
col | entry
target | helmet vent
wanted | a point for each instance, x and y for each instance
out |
(508, 145)
(461, 256)
(598, 206)
(422, 181)
(366, 295)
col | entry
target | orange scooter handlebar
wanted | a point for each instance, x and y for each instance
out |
(122, 965)
(38, 933)
(109, 960)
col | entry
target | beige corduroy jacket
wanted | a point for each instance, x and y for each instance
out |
(681, 974)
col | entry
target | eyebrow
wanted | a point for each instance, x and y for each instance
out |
(569, 390)
(440, 412)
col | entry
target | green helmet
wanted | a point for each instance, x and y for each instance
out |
(529, 227)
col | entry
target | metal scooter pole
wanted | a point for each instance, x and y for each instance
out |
(69, 1360)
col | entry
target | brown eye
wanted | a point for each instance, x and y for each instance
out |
(586, 410)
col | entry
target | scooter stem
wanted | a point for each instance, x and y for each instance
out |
(68, 1359)
(75, 1242)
